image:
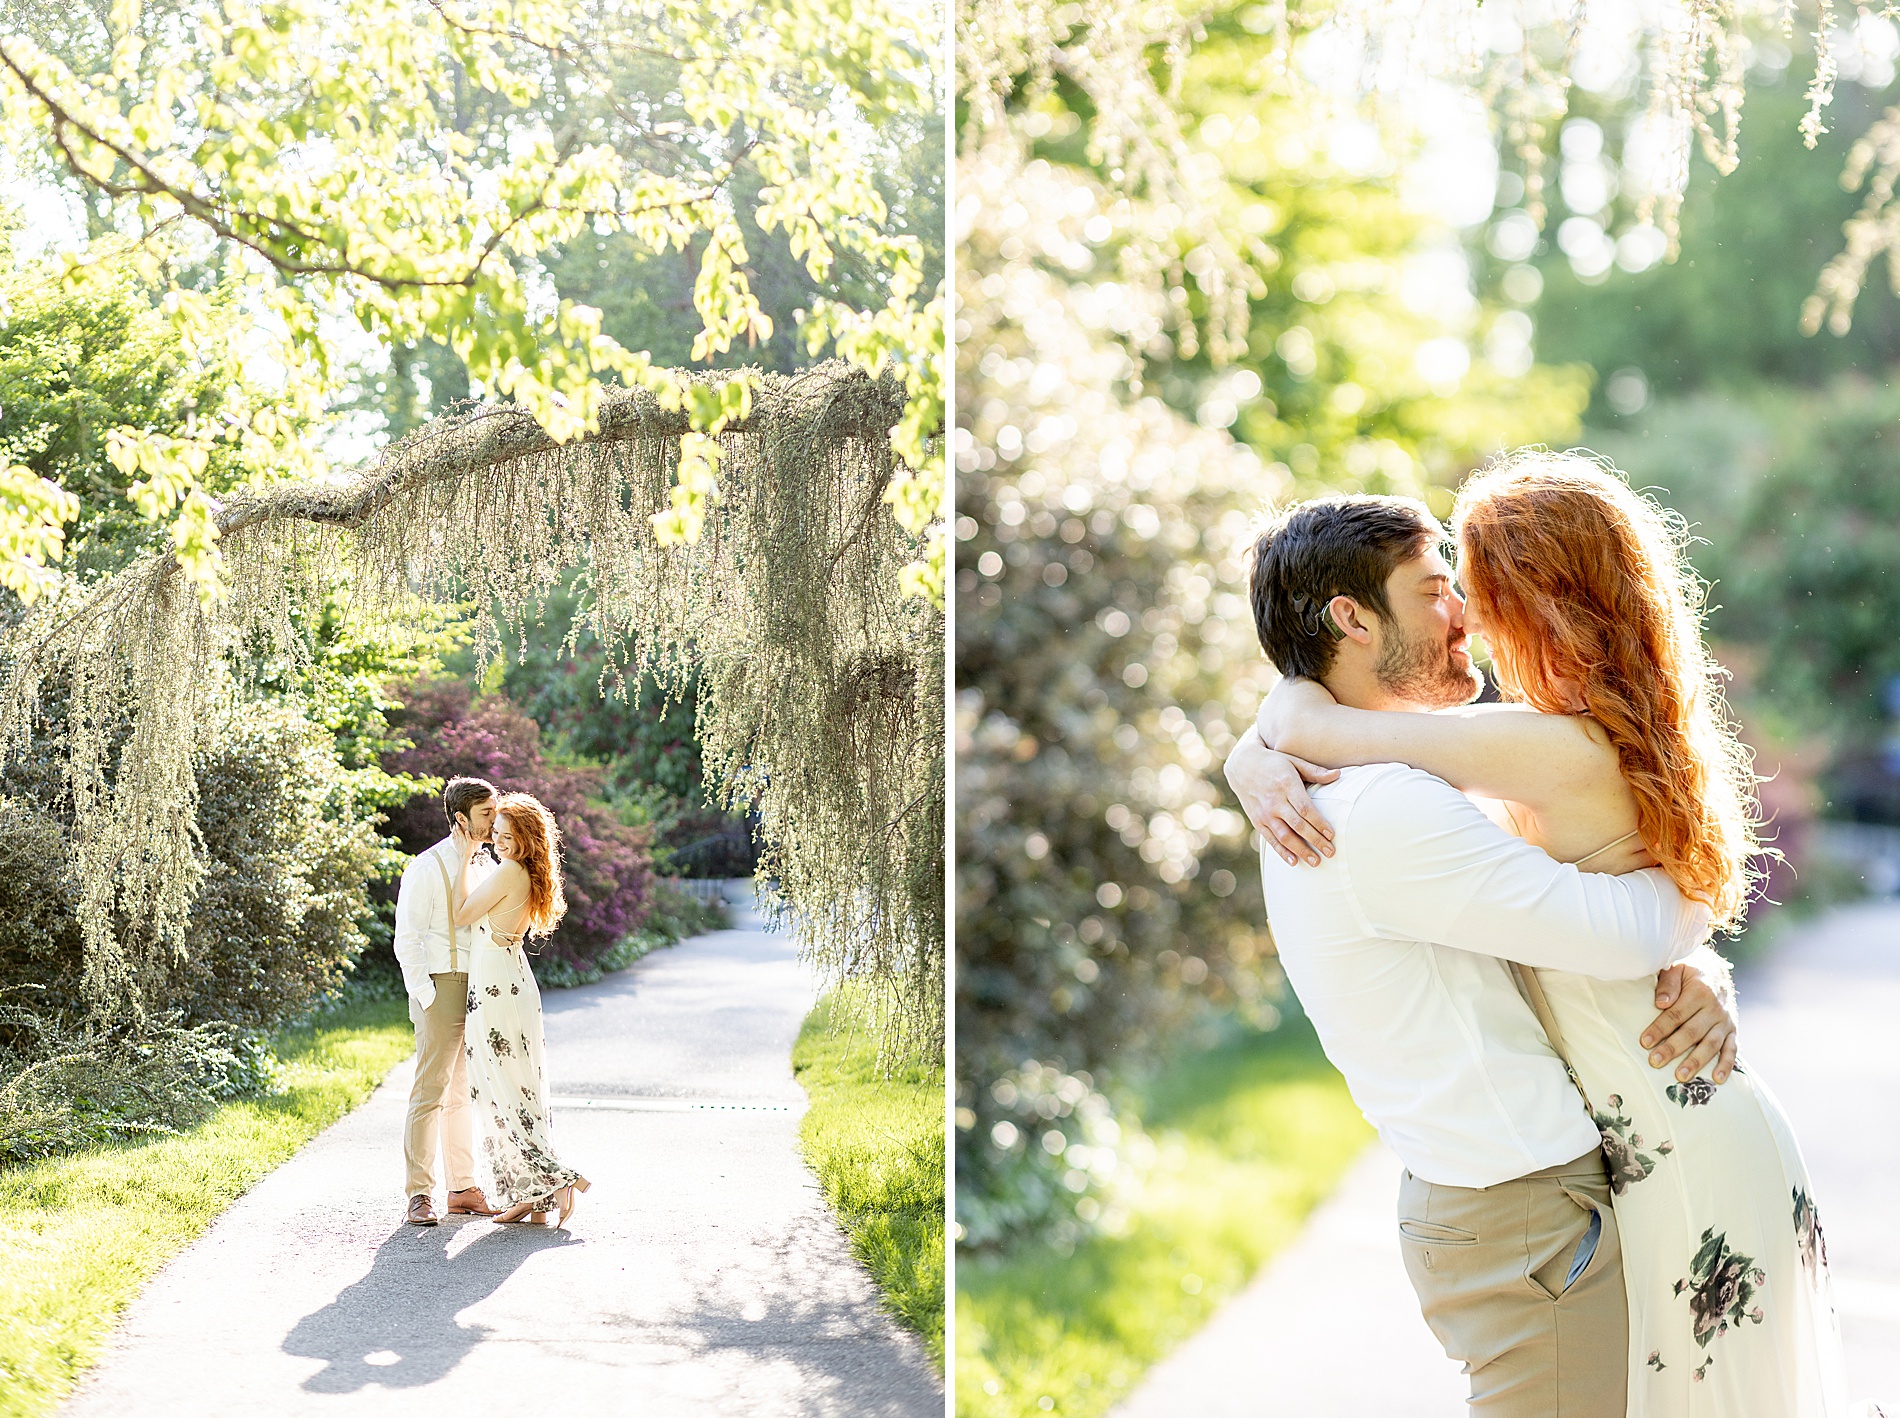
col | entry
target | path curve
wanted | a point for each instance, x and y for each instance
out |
(702, 1275)
(1331, 1329)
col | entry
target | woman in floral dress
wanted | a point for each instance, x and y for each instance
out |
(1584, 596)
(507, 1075)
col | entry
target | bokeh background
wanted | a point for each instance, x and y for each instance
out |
(1199, 276)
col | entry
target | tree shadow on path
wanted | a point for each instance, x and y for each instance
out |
(396, 1327)
(786, 1304)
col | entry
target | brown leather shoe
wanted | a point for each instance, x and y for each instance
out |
(469, 1202)
(421, 1210)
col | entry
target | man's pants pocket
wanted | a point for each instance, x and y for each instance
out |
(1554, 1268)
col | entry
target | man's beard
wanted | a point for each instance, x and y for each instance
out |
(1421, 671)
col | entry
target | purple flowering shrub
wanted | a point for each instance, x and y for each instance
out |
(606, 864)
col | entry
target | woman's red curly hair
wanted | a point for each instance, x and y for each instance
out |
(1578, 578)
(538, 849)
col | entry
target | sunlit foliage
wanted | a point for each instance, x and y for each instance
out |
(819, 684)
(1139, 274)
(411, 168)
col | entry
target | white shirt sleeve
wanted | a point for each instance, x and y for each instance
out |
(413, 912)
(1426, 864)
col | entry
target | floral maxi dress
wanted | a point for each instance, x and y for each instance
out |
(1724, 1261)
(507, 1073)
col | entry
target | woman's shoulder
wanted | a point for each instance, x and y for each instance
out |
(1523, 719)
(511, 871)
(1572, 751)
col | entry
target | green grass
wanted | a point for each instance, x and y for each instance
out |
(80, 1233)
(1249, 1138)
(876, 1144)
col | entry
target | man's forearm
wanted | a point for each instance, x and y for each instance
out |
(1610, 928)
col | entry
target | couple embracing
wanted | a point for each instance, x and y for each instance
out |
(464, 911)
(1482, 907)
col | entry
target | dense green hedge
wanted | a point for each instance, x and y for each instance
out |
(289, 854)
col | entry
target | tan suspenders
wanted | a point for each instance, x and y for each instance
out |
(1534, 992)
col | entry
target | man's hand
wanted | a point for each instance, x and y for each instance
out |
(1698, 1020)
(1272, 788)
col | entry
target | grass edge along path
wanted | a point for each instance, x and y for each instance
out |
(80, 1233)
(876, 1144)
(1250, 1137)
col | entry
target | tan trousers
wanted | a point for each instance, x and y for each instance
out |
(1490, 1266)
(438, 1100)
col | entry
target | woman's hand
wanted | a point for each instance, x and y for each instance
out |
(1272, 788)
(1280, 712)
(464, 841)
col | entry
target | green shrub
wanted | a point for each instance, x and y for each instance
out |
(279, 920)
(288, 856)
(78, 1085)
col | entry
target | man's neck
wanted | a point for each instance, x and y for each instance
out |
(1357, 687)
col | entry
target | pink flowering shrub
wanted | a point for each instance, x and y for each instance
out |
(606, 864)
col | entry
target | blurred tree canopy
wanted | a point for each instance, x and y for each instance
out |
(1727, 312)
(78, 360)
(1106, 888)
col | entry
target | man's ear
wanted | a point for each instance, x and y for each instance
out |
(1343, 620)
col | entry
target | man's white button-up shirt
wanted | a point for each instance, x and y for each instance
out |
(426, 942)
(1397, 948)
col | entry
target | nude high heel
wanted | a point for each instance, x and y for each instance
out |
(566, 1194)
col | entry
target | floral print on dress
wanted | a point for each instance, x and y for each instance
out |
(1810, 1244)
(1696, 1093)
(1730, 1321)
(1720, 1285)
(1623, 1157)
(507, 1066)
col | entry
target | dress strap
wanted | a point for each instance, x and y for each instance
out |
(508, 940)
(1607, 845)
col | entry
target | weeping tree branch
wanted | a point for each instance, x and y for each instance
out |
(820, 684)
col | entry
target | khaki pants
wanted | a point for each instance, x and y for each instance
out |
(438, 1100)
(1490, 1266)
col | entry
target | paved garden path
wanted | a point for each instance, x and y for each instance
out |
(1331, 1328)
(702, 1274)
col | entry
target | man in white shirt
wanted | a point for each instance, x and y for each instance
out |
(1397, 947)
(433, 952)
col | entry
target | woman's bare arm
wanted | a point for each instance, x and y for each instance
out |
(506, 881)
(1492, 750)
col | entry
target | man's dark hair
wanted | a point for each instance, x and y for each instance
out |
(461, 794)
(1331, 546)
